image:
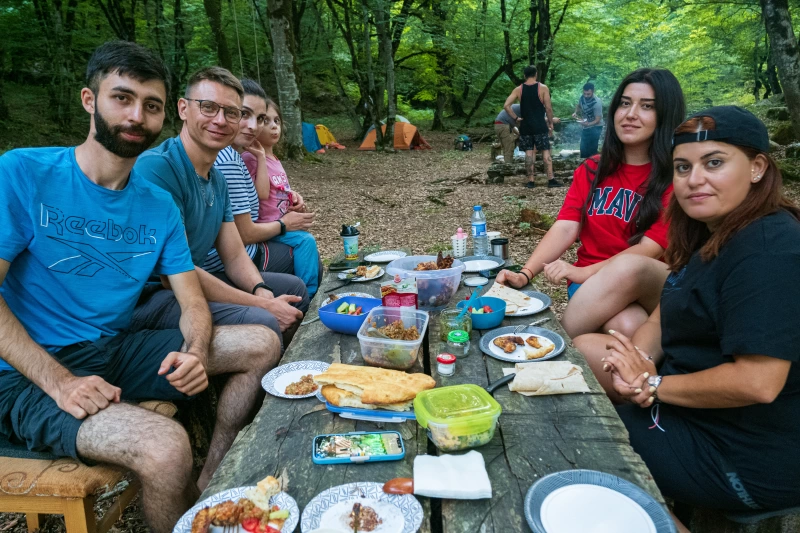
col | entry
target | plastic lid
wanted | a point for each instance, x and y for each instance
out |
(464, 409)
(501, 240)
(446, 358)
(477, 208)
(458, 335)
(348, 231)
(460, 234)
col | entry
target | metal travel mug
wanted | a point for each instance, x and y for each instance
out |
(500, 248)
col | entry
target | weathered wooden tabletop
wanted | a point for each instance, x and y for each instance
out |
(536, 436)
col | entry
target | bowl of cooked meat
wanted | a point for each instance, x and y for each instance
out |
(487, 312)
(437, 277)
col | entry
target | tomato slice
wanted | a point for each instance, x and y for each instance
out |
(271, 529)
(250, 524)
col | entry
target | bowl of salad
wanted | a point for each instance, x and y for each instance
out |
(487, 312)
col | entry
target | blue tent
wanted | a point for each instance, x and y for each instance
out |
(310, 139)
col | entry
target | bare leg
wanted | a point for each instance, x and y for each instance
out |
(548, 163)
(593, 348)
(624, 280)
(530, 165)
(246, 353)
(154, 447)
(628, 320)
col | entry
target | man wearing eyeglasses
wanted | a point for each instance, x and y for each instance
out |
(183, 166)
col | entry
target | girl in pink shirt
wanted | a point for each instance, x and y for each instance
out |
(276, 198)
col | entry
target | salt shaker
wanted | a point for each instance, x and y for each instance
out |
(446, 364)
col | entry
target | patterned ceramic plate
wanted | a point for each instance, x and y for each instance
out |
(386, 256)
(330, 509)
(354, 294)
(344, 273)
(279, 377)
(619, 505)
(282, 500)
(518, 355)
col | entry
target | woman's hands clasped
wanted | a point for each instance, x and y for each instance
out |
(630, 367)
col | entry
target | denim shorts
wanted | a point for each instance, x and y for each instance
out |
(130, 361)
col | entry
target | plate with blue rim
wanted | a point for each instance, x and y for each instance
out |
(518, 355)
(587, 500)
(278, 378)
(330, 508)
(282, 500)
(540, 303)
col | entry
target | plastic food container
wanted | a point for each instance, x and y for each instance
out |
(343, 323)
(435, 287)
(390, 353)
(457, 417)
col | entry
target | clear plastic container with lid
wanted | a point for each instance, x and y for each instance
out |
(458, 343)
(457, 417)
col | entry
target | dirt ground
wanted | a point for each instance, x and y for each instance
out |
(408, 199)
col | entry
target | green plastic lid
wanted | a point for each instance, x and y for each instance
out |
(458, 335)
(465, 409)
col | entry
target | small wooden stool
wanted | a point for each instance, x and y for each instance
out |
(46, 485)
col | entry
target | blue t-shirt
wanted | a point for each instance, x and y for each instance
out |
(80, 254)
(203, 203)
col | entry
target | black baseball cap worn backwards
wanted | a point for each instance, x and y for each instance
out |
(734, 125)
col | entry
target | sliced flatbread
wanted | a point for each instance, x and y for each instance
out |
(377, 386)
(342, 398)
(514, 299)
(372, 272)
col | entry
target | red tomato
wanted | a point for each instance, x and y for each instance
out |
(469, 309)
(250, 524)
(487, 309)
(271, 529)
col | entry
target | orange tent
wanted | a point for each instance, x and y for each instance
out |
(406, 137)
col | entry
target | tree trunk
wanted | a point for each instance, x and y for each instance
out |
(508, 65)
(373, 102)
(544, 41)
(772, 72)
(485, 91)
(279, 13)
(382, 16)
(214, 14)
(122, 19)
(786, 53)
(437, 28)
(758, 64)
(533, 28)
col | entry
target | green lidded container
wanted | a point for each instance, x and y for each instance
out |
(457, 417)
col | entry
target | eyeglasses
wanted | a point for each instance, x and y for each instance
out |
(210, 108)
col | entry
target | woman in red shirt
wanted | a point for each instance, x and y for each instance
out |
(615, 202)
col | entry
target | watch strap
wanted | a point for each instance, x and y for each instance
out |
(261, 285)
(283, 227)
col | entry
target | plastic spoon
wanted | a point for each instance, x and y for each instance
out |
(466, 307)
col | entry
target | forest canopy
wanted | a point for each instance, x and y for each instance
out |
(452, 62)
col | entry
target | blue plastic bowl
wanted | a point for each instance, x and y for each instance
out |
(486, 320)
(347, 324)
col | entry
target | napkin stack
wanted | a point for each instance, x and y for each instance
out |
(457, 477)
(546, 377)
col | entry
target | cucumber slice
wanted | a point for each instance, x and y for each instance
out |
(343, 308)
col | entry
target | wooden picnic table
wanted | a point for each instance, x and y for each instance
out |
(536, 436)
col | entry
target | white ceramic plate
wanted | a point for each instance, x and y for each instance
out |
(282, 500)
(385, 256)
(518, 355)
(343, 275)
(278, 378)
(477, 265)
(602, 510)
(330, 508)
(354, 294)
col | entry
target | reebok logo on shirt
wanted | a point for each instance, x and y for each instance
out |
(622, 206)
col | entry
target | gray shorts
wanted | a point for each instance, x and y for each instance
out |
(130, 361)
(160, 309)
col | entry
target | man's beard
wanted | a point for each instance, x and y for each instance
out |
(111, 137)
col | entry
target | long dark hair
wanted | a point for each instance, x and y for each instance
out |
(670, 111)
(687, 235)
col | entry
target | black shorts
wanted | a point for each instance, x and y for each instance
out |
(686, 464)
(537, 141)
(130, 361)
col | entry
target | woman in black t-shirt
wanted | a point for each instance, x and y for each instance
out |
(720, 424)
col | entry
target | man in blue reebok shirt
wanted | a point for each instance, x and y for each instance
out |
(80, 234)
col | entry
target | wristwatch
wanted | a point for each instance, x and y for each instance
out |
(655, 381)
(283, 227)
(261, 285)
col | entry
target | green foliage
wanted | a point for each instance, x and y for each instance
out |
(712, 47)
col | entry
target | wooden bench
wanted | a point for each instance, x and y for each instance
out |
(38, 484)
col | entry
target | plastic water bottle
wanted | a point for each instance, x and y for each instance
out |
(480, 241)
